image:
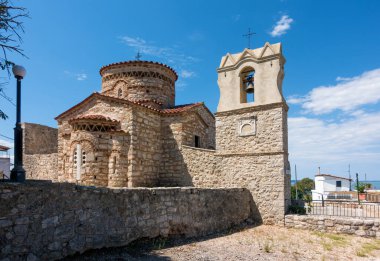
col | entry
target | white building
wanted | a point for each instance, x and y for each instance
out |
(326, 184)
(5, 162)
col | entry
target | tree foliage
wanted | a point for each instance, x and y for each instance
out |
(304, 187)
(11, 27)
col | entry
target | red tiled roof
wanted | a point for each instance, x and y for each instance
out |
(181, 108)
(148, 100)
(168, 111)
(3, 148)
(94, 117)
(136, 62)
(331, 176)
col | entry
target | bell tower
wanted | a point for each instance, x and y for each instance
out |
(251, 78)
(252, 130)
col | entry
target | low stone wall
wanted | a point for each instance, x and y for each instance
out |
(41, 220)
(340, 225)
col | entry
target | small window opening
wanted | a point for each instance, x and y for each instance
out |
(147, 91)
(119, 93)
(114, 165)
(94, 177)
(83, 157)
(247, 92)
(197, 141)
(339, 184)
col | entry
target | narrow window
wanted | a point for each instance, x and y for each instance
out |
(247, 88)
(114, 164)
(339, 184)
(197, 141)
(119, 93)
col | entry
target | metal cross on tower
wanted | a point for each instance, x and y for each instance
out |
(138, 56)
(249, 35)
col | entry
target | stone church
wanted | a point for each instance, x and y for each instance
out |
(132, 133)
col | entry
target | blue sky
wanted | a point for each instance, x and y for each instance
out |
(332, 80)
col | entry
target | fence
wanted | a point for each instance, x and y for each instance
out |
(336, 208)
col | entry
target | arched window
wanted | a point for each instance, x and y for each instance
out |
(247, 87)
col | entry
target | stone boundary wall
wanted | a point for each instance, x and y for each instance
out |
(48, 221)
(40, 147)
(340, 225)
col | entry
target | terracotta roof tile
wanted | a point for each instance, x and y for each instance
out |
(137, 62)
(180, 108)
(94, 117)
(167, 111)
(4, 148)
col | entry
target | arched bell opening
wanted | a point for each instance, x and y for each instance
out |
(247, 85)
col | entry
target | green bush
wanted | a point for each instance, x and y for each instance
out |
(294, 209)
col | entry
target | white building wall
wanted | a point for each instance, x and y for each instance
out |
(5, 165)
(325, 185)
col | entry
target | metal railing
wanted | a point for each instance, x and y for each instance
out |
(337, 208)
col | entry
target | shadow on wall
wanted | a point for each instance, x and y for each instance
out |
(173, 171)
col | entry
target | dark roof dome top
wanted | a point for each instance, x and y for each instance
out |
(136, 62)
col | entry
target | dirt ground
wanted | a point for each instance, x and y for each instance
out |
(257, 243)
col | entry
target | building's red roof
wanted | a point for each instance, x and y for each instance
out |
(181, 108)
(94, 117)
(4, 148)
(167, 111)
(331, 176)
(136, 62)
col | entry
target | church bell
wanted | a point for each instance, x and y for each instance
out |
(249, 88)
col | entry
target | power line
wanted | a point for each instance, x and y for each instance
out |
(6, 137)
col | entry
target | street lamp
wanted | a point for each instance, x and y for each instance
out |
(18, 172)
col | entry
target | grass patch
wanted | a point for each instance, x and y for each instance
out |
(331, 240)
(268, 246)
(367, 248)
(159, 243)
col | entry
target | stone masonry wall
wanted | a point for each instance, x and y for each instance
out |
(40, 145)
(140, 81)
(107, 153)
(146, 148)
(340, 225)
(48, 221)
(257, 162)
(261, 174)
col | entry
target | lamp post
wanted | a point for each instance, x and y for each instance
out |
(18, 172)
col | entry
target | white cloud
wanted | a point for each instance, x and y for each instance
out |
(187, 74)
(294, 99)
(282, 26)
(348, 94)
(6, 143)
(236, 18)
(81, 76)
(77, 76)
(318, 140)
(167, 54)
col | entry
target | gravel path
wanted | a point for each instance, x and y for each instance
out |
(258, 243)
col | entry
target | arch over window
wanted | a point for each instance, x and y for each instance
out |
(247, 85)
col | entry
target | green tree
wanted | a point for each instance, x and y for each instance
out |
(11, 26)
(304, 187)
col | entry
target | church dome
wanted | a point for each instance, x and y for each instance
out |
(140, 80)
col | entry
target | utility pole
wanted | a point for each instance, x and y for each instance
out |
(349, 175)
(357, 186)
(295, 172)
